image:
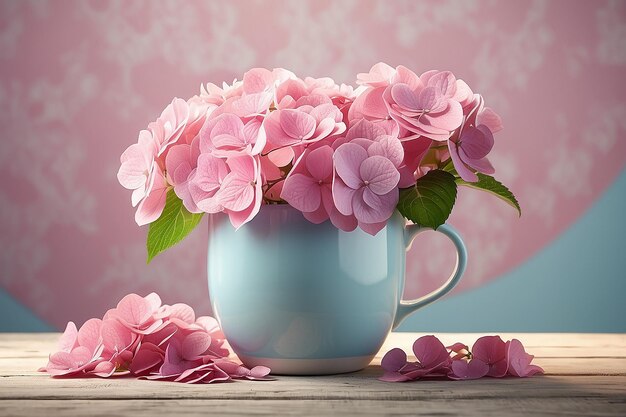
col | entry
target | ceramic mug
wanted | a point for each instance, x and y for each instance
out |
(309, 299)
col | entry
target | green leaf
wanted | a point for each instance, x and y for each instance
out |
(173, 226)
(495, 187)
(430, 201)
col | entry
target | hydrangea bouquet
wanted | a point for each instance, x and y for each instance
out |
(352, 156)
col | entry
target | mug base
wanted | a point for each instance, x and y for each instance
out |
(309, 366)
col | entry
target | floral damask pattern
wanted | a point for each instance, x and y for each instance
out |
(80, 79)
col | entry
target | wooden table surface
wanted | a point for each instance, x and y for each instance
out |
(585, 376)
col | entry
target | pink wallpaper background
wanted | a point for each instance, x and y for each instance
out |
(79, 79)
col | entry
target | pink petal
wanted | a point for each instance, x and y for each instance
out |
(259, 372)
(236, 193)
(154, 301)
(432, 100)
(366, 130)
(369, 105)
(297, 124)
(178, 163)
(103, 369)
(372, 228)
(195, 345)
(449, 119)
(475, 142)
(89, 334)
(393, 360)
(281, 157)
(211, 325)
(252, 104)
(519, 361)
(342, 196)
(224, 124)
(149, 357)
(405, 97)
(115, 336)
(134, 309)
(348, 159)
(81, 355)
(319, 162)
(62, 360)
(465, 173)
(292, 88)
(373, 208)
(317, 216)
(162, 335)
(239, 218)
(255, 134)
(406, 76)
(474, 369)
(380, 174)
(481, 165)
(445, 82)
(302, 192)
(257, 80)
(69, 338)
(209, 176)
(347, 223)
(389, 147)
(153, 204)
(379, 74)
(490, 119)
(276, 136)
(182, 312)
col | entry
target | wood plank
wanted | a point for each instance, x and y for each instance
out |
(362, 385)
(587, 377)
(588, 407)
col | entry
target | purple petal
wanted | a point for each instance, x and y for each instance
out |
(393, 360)
(430, 352)
(474, 369)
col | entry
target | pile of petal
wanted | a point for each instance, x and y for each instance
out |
(490, 356)
(143, 338)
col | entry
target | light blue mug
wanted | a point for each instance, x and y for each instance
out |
(309, 299)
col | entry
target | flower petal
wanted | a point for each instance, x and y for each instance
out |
(302, 192)
(348, 159)
(379, 174)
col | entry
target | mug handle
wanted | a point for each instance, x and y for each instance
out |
(407, 307)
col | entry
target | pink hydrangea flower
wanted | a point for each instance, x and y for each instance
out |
(519, 362)
(206, 182)
(308, 188)
(127, 341)
(367, 176)
(241, 194)
(181, 163)
(492, 351)
(490, 356)
(301, 118)
(430, 105)
(227, 135)
(426, 106)
(365, 185)
(470, 145)
(142, 164)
